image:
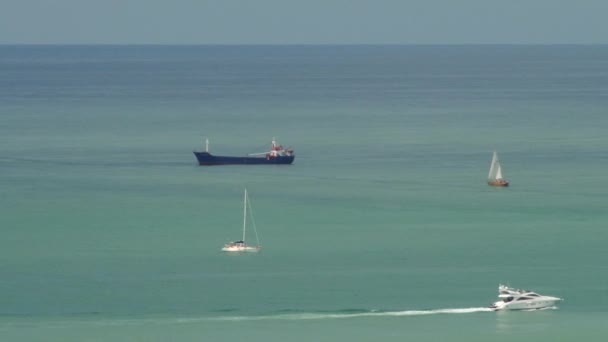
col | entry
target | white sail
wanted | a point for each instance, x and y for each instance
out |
(492, 173)
(498, 171)
(495, 169)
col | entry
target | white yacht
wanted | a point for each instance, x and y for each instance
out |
(516, 299)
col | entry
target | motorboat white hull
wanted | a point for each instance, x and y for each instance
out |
(534, 304)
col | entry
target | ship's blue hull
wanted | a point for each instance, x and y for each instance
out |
(205, 158)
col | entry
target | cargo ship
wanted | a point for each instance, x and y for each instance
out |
(276, 156)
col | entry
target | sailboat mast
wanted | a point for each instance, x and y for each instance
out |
(244, 214)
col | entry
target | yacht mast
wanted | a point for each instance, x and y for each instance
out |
(244, 214)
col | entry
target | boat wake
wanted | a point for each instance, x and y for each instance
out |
(346, 315)
(96, 320)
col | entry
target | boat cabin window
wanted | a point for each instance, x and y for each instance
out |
(533, 295)
(524, 298)
(508, 299)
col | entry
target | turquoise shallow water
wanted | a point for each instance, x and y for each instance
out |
(383, 227)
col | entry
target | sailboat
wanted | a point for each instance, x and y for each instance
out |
(495, 174)
(240, 245)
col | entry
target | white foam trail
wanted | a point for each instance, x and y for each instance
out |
(321, 316)
(277, 317)
(288, 316)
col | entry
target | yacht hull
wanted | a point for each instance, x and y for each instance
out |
(535, 304)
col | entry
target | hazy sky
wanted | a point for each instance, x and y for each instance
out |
(303, 21)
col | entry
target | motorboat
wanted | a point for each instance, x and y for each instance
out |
(517, 299)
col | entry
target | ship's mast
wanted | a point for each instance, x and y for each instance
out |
(206, 144)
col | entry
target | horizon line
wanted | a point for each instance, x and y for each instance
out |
(302, 44)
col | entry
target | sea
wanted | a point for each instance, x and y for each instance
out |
(383, 227)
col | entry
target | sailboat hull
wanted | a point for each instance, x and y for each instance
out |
(240, 249)
(498, 182)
